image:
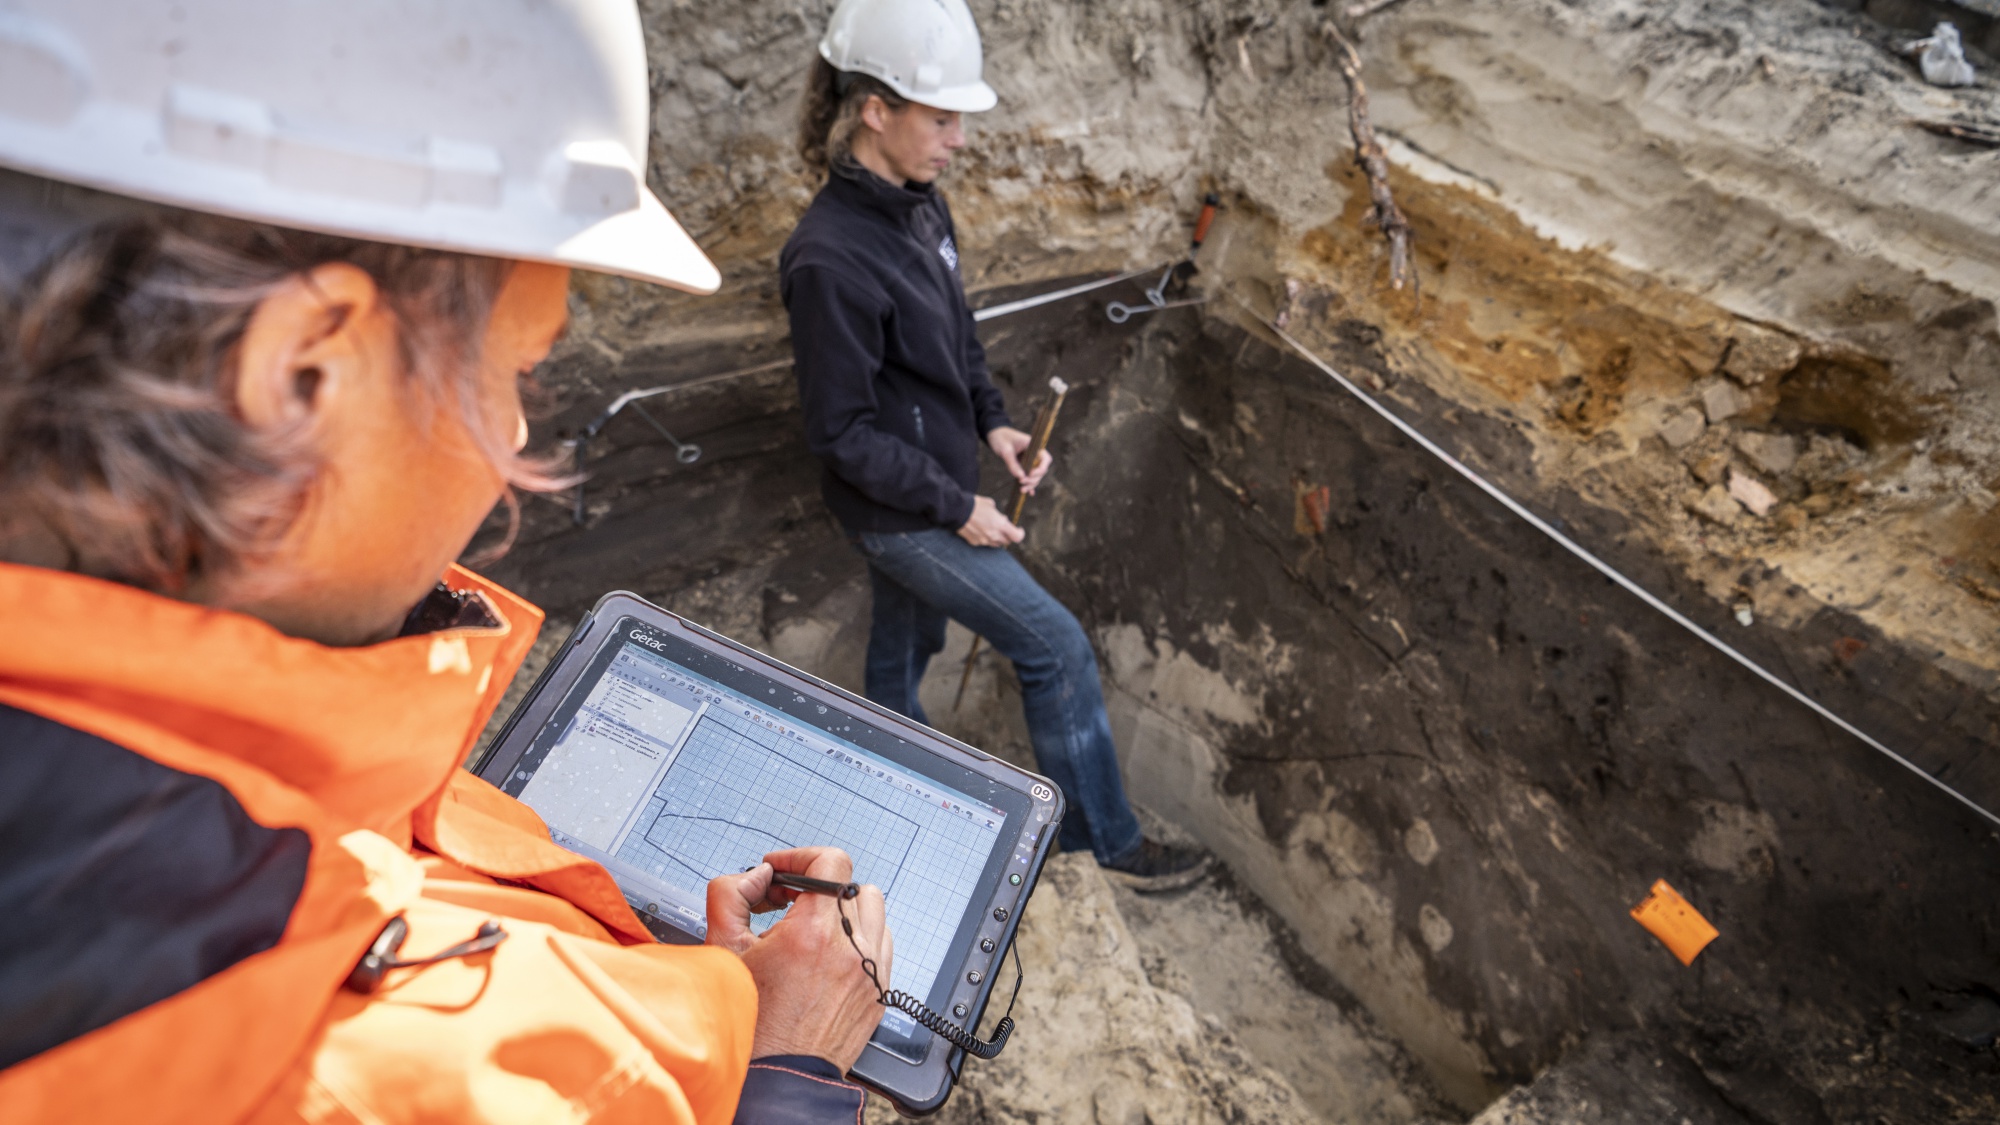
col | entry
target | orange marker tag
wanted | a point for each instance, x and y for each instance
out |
(1680, 927)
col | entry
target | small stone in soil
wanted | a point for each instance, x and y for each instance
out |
(1757, 354)
(1751, 493)
(1712, 468)
(1723, 400)
(1716, 506)
(1776, 454)
(1681, 428)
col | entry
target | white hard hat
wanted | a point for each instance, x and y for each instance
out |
(926, 50)
(514, 130)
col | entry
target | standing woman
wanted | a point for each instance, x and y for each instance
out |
(897, 403)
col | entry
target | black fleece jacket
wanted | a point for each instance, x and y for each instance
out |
(892, 379)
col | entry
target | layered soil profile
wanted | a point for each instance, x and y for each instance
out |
(1692, 289)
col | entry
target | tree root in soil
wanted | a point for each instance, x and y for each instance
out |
(1373, 162)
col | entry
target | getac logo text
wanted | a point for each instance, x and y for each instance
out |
(647, 641)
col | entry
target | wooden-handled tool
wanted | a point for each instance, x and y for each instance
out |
(1045, 424)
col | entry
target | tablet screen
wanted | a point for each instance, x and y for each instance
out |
(673, 771)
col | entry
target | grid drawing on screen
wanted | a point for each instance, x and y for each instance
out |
(740, 788)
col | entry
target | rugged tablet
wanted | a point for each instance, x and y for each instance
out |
(671, 755)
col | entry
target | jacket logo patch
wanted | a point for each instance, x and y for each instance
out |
(949, 253)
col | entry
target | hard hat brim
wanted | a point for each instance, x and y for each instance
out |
(976, 98)
(645, 244)
(519, 134)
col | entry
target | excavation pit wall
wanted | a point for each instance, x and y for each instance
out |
(1660, 250)
(1447, 754)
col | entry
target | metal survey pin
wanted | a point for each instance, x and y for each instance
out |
(1156, 297)
(687, 453)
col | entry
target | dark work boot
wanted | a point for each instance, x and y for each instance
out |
(1153, 867)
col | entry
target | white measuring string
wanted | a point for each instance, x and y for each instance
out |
(1606, 569)
(619, 404)
(629, 397)
(1027, 303)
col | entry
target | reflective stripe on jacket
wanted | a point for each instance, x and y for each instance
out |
(307, 795)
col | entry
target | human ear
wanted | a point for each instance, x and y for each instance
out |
(875, 113)
(303, 350)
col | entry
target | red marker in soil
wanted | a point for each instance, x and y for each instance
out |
(1208, 205)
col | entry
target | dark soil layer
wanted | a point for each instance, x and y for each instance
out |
(1566, 745)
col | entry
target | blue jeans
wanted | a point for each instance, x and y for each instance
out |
(921, 578)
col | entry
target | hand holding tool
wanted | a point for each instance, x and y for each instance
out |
(1045, 425)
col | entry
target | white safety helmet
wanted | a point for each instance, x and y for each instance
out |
(514, 130)
(926, 50)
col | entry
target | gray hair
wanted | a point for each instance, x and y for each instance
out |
(122, 455)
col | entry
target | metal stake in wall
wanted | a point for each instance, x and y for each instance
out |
(1156, 297)
(684, 452)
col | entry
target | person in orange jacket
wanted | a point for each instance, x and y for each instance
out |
(259, 366)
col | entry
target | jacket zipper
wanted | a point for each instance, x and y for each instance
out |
(917, 412)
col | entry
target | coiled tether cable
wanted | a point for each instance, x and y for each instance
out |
(919, 1011)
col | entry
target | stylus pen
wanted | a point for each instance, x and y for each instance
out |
(811, 885)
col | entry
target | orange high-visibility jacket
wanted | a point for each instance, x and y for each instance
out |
(353, 755)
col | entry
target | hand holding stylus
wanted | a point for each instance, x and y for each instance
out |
(812, 996)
